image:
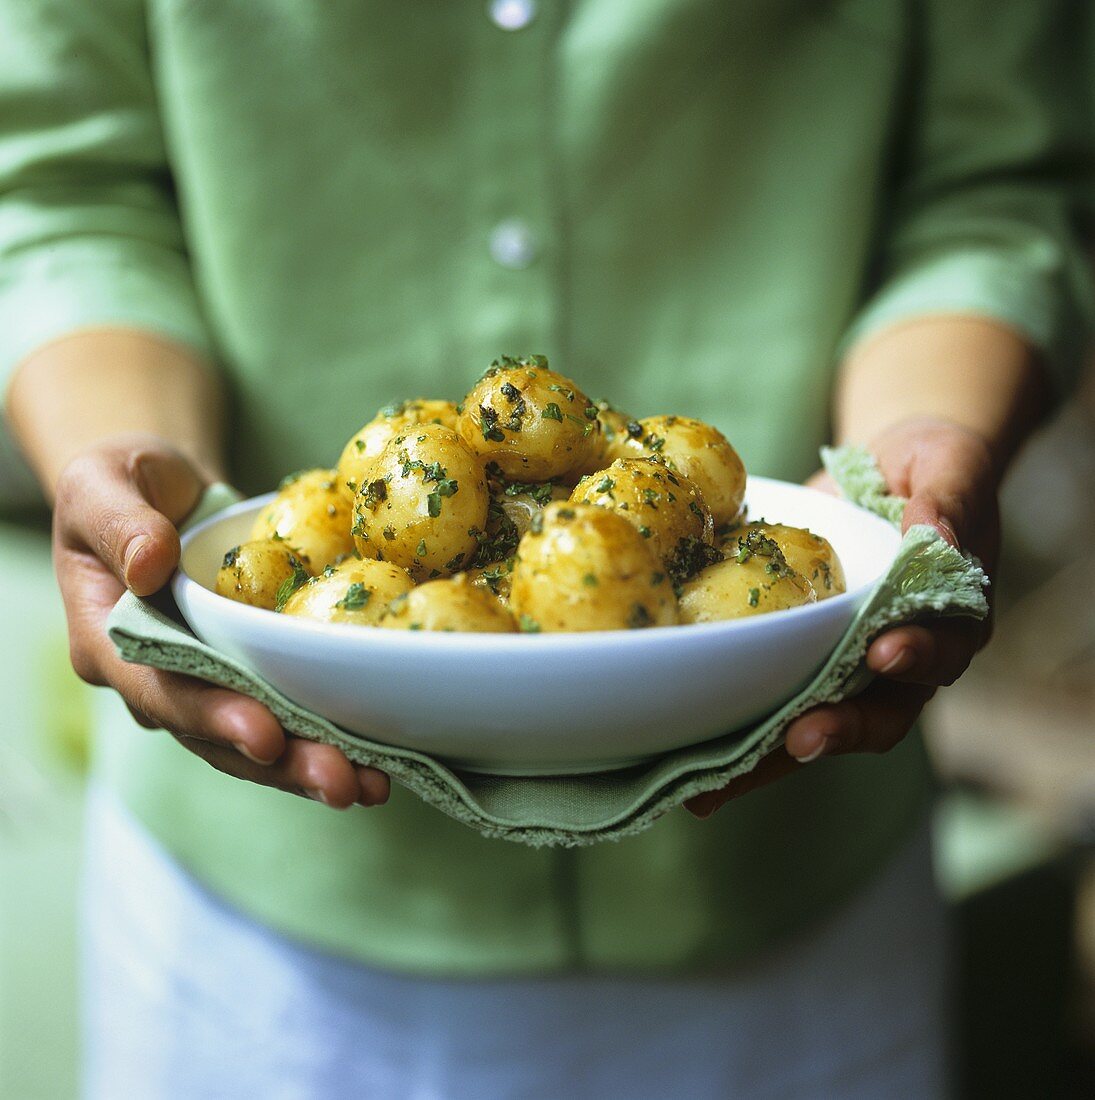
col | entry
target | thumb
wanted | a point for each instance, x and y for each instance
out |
(121, 502)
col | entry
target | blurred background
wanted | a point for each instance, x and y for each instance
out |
(1015, 826)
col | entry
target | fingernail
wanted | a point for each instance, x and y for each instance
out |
(316, 796)
(825, 746)
(265, 761)
(131, 552)
(901, 661)
(704, 806)
(946, 529)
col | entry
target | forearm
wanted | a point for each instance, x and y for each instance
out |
(972, 372)
(107, 382)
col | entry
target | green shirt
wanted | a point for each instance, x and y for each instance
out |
(688, 205)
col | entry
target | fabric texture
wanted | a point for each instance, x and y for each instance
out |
(170, 970)
(927, 577)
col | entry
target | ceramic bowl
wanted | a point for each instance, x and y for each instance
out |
(543, 703)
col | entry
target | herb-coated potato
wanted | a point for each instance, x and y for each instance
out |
(364, 446)
(311, 516)
(620, 437)
(535, 424)
(256, 572)
(703, 454)
(495, 577)
(581, 567)
(425, 504)
(663, 506)
(752, 581)
(357, 591)
(808, 554)
(449, 604)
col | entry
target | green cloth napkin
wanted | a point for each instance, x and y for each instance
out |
(928, 577)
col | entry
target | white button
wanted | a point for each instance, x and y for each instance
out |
(513, 244)
(512, 15)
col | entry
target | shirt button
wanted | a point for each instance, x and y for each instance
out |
(513, 244)
(512, 15)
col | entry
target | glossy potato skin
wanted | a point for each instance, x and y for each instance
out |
(254, 572)
(311, 516)
(809, 554)
(586, 568)
(534, 423)
(663, 506)
(495, 577)
(426, 498)
(449, 604)
(357, 591)
(365, 445)
(753, 581)
(703, 454)
(620, 437)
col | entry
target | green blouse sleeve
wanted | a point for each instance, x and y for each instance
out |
(89, 231)
(981, 218)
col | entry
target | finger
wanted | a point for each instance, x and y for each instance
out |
(200, 711)
(121, 505)
(935, 655)
(774, 766)
(318, 772)
(376, 787)
(872, 722)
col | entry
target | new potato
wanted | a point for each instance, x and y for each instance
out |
(311, 516)
(357, 591)
(450, 604)
(534, 423)
(424, 506)
(586, 568)
(806, 553)
(254, 572)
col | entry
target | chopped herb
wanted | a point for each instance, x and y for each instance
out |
(434, 573)
(536, 524)
(645, 531)
(539, 491)
(754, 597)
(695, 509)
(360, 445)
(590, 410)
(651, 497)
(231, 557)
(373, 493)
(689, 557)
(420, 549)
(656, 579)
(634, 429)
(488, 424)
(639, 617)
(552, 412)
(606, 485)
(357, 596)
(566, 514)
(453, 564)
(528, 624)
(511, 391)
(290, 478)
(654, 442)
(389, 532)
(590, 581)
(290, 584)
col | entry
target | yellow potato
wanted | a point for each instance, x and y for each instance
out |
(257, 572)
(581, 567)
(357, 591)
(752, 581)
(703, 454)
(364, 446)
(663, 506)
(451, 604)
(311, 516)
(535, 424)
(425, 505)
(808, 554)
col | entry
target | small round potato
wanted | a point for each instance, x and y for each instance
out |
(752, 581)
(663, 506)
(581, 567)
(365, 445)
(257, 572)
(535, 424)
(311, 516)
(450, 604)
(425, 504)
(357, 591)
(808, 554)
(703, 454)
(496, 577)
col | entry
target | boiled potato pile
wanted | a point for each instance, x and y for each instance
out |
(525, 507)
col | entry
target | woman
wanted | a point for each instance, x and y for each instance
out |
(228, 232)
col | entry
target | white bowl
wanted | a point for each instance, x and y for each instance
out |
(543, 703)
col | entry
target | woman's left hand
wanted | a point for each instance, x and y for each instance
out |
(951, 482)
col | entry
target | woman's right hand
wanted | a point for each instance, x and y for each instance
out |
(114, 527)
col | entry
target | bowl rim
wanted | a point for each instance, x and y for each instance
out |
(288, 627)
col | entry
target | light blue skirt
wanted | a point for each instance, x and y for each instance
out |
(186, 998)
